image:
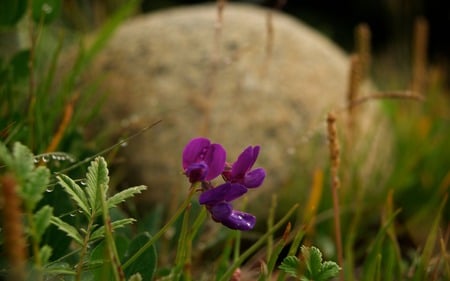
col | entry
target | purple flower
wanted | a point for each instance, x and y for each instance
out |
(241, 169)
(217, 202)
(203, 160)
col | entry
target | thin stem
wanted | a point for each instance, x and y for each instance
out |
(79, 266)
(119, 275)
(335, 184)
(163, 230)
(256, 245)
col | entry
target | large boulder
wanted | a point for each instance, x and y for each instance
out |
(240, 86)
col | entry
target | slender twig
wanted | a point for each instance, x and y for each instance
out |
(408, 95)
(335, 184)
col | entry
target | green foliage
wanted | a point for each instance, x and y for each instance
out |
(12, 11)
(33, 180)
(88, 200)
(145, 265)
(311, 267)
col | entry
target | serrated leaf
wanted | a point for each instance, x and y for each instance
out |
(23, 159)
(313, 261)
(35, 185)
(45, 253)
(290, 265)
(96, 176)
(329, 269)
(124, 195)
(42, 220)
(68, 229)
(75, 192)
(144, 264)
(100, 232)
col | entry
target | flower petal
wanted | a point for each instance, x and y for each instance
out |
(224, 192)
(221, 211)
(215, 158)
(193, 150)
(197, 171)
(239, 220)
(254, 178)
(244, 162)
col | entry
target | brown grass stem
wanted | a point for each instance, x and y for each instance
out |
(14, 241)
(419, 59)
(335, 184)
(408, 95)
(354, 83)
(363, 38)
(67, 116)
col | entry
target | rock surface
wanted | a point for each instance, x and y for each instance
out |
(167, 65)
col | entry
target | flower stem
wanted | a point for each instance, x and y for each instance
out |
(163, 230)
(256, 245)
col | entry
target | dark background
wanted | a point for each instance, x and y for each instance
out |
(391, 21)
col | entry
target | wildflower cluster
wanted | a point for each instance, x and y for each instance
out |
(204, 161)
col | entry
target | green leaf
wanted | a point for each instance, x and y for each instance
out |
(100, 232)
(45, 253)
(19, 64)
(42, 220)
(313, 261)
(290, 265)
(68, 229)
(370, 265)
(12, 11)
(35, 185)
(328, 270)
(75, 192)
(23, 163)
(99, 256)
(45, 10)
(96, 176)
(124, 195)
(146, 263)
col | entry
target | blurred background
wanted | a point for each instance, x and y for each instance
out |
(391, 23)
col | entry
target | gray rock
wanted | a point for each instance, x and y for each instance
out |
(167, 66)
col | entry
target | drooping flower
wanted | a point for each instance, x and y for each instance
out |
(241, 170)
(203, 160)
(217, 201)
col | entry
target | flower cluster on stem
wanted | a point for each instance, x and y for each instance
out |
(204, 161)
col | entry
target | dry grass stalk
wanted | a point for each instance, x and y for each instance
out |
(363, 48)
(409, 95)
(67, 116)
(355, 77)
(420, 46)
(14, 241)
(269, 26)
(335, 183)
